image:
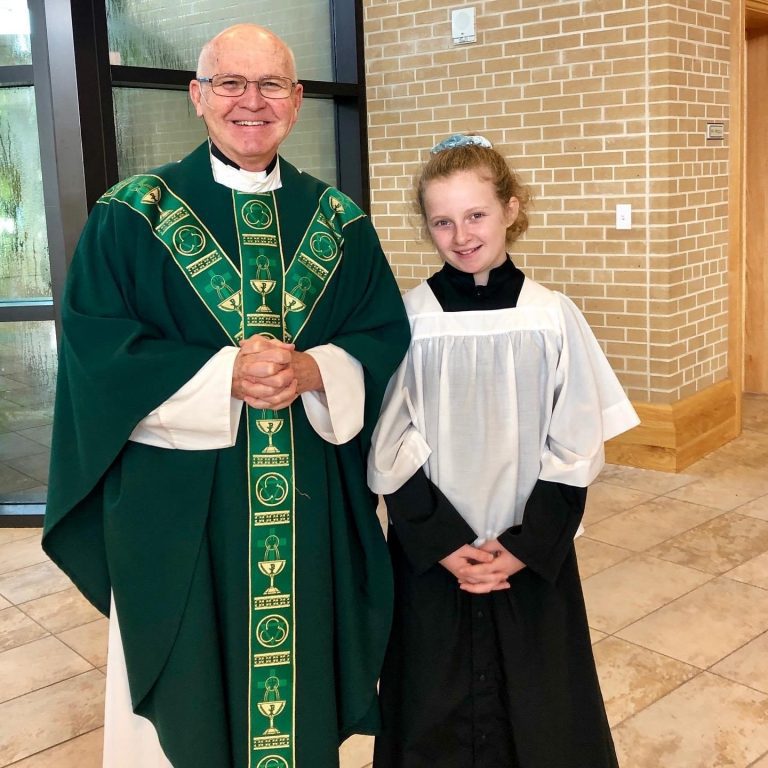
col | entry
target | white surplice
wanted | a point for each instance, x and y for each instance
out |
(490, 401)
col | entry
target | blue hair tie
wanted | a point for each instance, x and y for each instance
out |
(460, 140)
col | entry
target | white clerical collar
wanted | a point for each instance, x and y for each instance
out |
(254, 182)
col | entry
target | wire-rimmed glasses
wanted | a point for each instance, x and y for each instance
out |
(270, 86)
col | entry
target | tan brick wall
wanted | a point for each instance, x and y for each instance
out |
(595, 103)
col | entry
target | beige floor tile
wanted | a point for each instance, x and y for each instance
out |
(650, 523)
(61, 611)
(89, 640)
(32, 582)
(632, 677)
(633, 588)
(595, 635)
(36, 665)
(725, 490)
(705, 625)
(755, 508)
(595, 556)
(646, 480)
(756, 405)
(20, 554)
(50, 716)
(605, 500)
(8, 535)
(754, 571)
(706, 723)
(356, 752)
(4, 603)
(761, 763)
(17, 629)
(709, 466)
(80, 752)
(750, 450)
(755, 411)
(718, 545)
(748, 665)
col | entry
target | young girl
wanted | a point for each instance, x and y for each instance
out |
(490, 432)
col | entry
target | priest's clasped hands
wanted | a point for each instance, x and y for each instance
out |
(271, 374)
(482, 569)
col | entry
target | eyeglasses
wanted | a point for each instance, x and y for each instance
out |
(270, 87)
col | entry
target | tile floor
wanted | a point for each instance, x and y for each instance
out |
(675, 571)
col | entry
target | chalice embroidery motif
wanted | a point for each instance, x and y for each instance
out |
(263, 283)
(295, 301)
(272, 705)
(153, 198)
(229, 299)
(271, 566)
(269, 424)
(337, 207)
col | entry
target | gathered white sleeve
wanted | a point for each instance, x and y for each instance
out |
(337, 413)
(398, 447)
(201, 415)
(590, 405)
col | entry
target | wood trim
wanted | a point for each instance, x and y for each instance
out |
(672, 437)
(756, 226)
(755, 6)
(736, 198)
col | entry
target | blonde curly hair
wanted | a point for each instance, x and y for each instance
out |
(488, 164)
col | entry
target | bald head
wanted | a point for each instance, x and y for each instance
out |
(248, 127)
(243, 37)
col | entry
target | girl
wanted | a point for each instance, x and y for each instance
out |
(490, 432)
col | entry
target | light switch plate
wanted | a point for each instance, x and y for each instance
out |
(623, 216)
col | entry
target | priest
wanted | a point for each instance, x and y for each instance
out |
(230, 325)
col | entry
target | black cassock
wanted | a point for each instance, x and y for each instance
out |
(504, 680)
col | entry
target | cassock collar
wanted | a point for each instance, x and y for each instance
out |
(456, 290)
(231, 175)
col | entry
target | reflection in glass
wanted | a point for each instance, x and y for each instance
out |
(311, 145)
(14, 33)
(153, 127)
(156, 127)
(24, 269)
(28, 364)
(152, 33)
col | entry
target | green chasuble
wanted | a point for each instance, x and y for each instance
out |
(252, 583)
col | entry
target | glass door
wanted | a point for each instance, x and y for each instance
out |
(27, 329)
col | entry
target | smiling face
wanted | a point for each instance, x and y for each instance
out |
(467, 222)
(249, 128)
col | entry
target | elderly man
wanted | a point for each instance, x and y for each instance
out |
(238, 546)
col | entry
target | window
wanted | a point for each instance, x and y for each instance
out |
(96, 92)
